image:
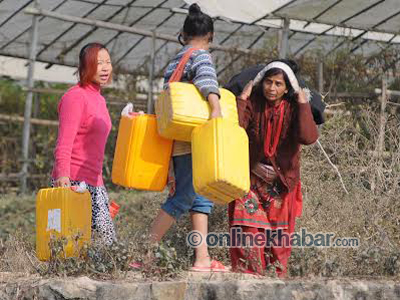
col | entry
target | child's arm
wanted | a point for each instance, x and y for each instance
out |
(213, 99)
(205, 79)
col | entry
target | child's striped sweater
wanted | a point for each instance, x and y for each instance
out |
(200, 71)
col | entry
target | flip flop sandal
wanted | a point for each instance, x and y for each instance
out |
(136, 265)
(215, 266)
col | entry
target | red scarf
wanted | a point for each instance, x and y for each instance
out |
(273, 125)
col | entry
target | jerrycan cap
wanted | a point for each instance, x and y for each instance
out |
(81, 188)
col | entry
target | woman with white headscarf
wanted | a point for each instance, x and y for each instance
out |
(277, 116)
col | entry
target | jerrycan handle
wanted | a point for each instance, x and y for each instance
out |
(128, 111)
(136, 114)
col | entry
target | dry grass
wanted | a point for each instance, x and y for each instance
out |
(370, 212)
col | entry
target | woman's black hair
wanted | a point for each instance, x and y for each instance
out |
(290, 96)
(197, 24)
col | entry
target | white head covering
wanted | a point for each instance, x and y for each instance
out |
(285, 68)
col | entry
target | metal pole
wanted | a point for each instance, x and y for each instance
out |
(285, 38)
(388, 92)
(119, 27)
(381, 139)
(380, 145)
(320, 74)
(150, 106)
(28, 101)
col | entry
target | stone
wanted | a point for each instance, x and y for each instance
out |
(199, 286)
(169, 290)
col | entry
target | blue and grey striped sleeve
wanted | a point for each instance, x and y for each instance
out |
(205, 76)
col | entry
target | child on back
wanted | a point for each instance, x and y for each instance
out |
(196, 36)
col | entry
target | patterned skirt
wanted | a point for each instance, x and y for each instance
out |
(102, 224)
(261, 208)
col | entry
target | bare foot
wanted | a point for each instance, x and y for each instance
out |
(202, 262)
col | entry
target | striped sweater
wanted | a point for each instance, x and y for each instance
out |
(200, 71)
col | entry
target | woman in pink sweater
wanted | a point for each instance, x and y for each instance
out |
(84, 126)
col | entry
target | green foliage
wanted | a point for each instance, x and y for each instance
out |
(43, 138)
(17, 212)
(343, 72)
(12, 97)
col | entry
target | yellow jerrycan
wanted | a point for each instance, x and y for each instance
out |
(142, 156)
(220, 157)
(181, 108)
(62, 214)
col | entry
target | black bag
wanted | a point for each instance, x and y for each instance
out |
(239, 81)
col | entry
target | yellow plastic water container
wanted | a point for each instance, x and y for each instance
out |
(220, 156)
(62, 214)
(182, 107)
(142, 156)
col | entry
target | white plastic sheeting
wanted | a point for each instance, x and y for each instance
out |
(375, 19)
(327, 25)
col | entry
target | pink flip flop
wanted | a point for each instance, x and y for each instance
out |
(215, 266)
(136, 265)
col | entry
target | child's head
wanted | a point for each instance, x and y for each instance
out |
(197, 25)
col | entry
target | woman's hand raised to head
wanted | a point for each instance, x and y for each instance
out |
(247, 91)
(302, 97)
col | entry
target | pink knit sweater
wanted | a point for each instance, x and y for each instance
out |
(82, 135)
